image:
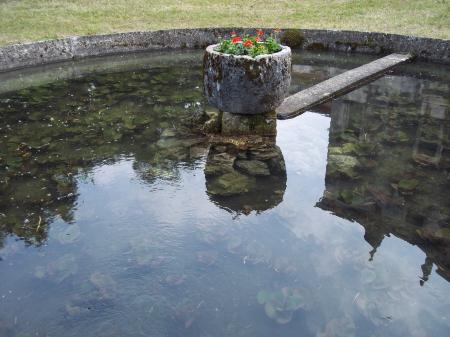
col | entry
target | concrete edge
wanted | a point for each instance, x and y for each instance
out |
(18, 56)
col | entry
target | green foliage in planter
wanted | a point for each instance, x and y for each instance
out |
(249, 45)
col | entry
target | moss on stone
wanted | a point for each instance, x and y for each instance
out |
(292, 38)
(317, 46)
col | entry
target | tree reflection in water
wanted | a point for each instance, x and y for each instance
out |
(388, 166)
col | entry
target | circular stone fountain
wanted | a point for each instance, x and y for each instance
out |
(245, 85)
(91, 145)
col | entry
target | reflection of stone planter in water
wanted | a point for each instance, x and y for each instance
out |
(245, 178)
(245, 85)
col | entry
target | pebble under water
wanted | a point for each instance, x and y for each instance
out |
(118, 218)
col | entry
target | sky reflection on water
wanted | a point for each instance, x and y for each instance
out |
(109, 225)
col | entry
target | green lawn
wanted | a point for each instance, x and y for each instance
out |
(29, 20)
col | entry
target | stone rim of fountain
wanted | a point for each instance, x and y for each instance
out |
(30, 54)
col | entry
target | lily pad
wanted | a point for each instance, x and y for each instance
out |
(234, 243)
(62, 268)
(368, 276)
(207, 257)
(175, 280)
(40, 272)
(270, 311)
(73, 310)
(105, 285)
(263, 296)
(344, 327)
(281, 305)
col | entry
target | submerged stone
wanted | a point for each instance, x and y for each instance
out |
(219, 163)
(63, 182)
(440, 236)
(346, 196)
(168, 133)
(407, 186)
(277, 164)
(213, 123)
(347, 148)
(265, 152)
(253, 167)
(424, 160)
(261, 125)
(211, 126)
(343, 165)
(232, 183)
(197, 151)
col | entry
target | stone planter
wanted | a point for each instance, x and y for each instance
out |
(244, 85)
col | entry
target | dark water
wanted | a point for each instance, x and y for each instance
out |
(113, 221)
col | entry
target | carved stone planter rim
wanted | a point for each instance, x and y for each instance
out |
(241, 84)
(283, 51)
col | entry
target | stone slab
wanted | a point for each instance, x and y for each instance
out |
(304, 100)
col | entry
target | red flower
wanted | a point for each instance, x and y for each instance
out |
(236, 39)
(248, 43)
(233, 33)
(259, 32)
(258, 39)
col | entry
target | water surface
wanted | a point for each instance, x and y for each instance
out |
(111, 223)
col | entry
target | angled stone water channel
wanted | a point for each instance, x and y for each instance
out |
(339, 85)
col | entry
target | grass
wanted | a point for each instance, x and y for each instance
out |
(30, 20)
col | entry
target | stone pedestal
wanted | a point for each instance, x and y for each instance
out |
(229, 124)
(243, 125)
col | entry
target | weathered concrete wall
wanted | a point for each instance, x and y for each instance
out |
(43, 52)
(428, 49)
